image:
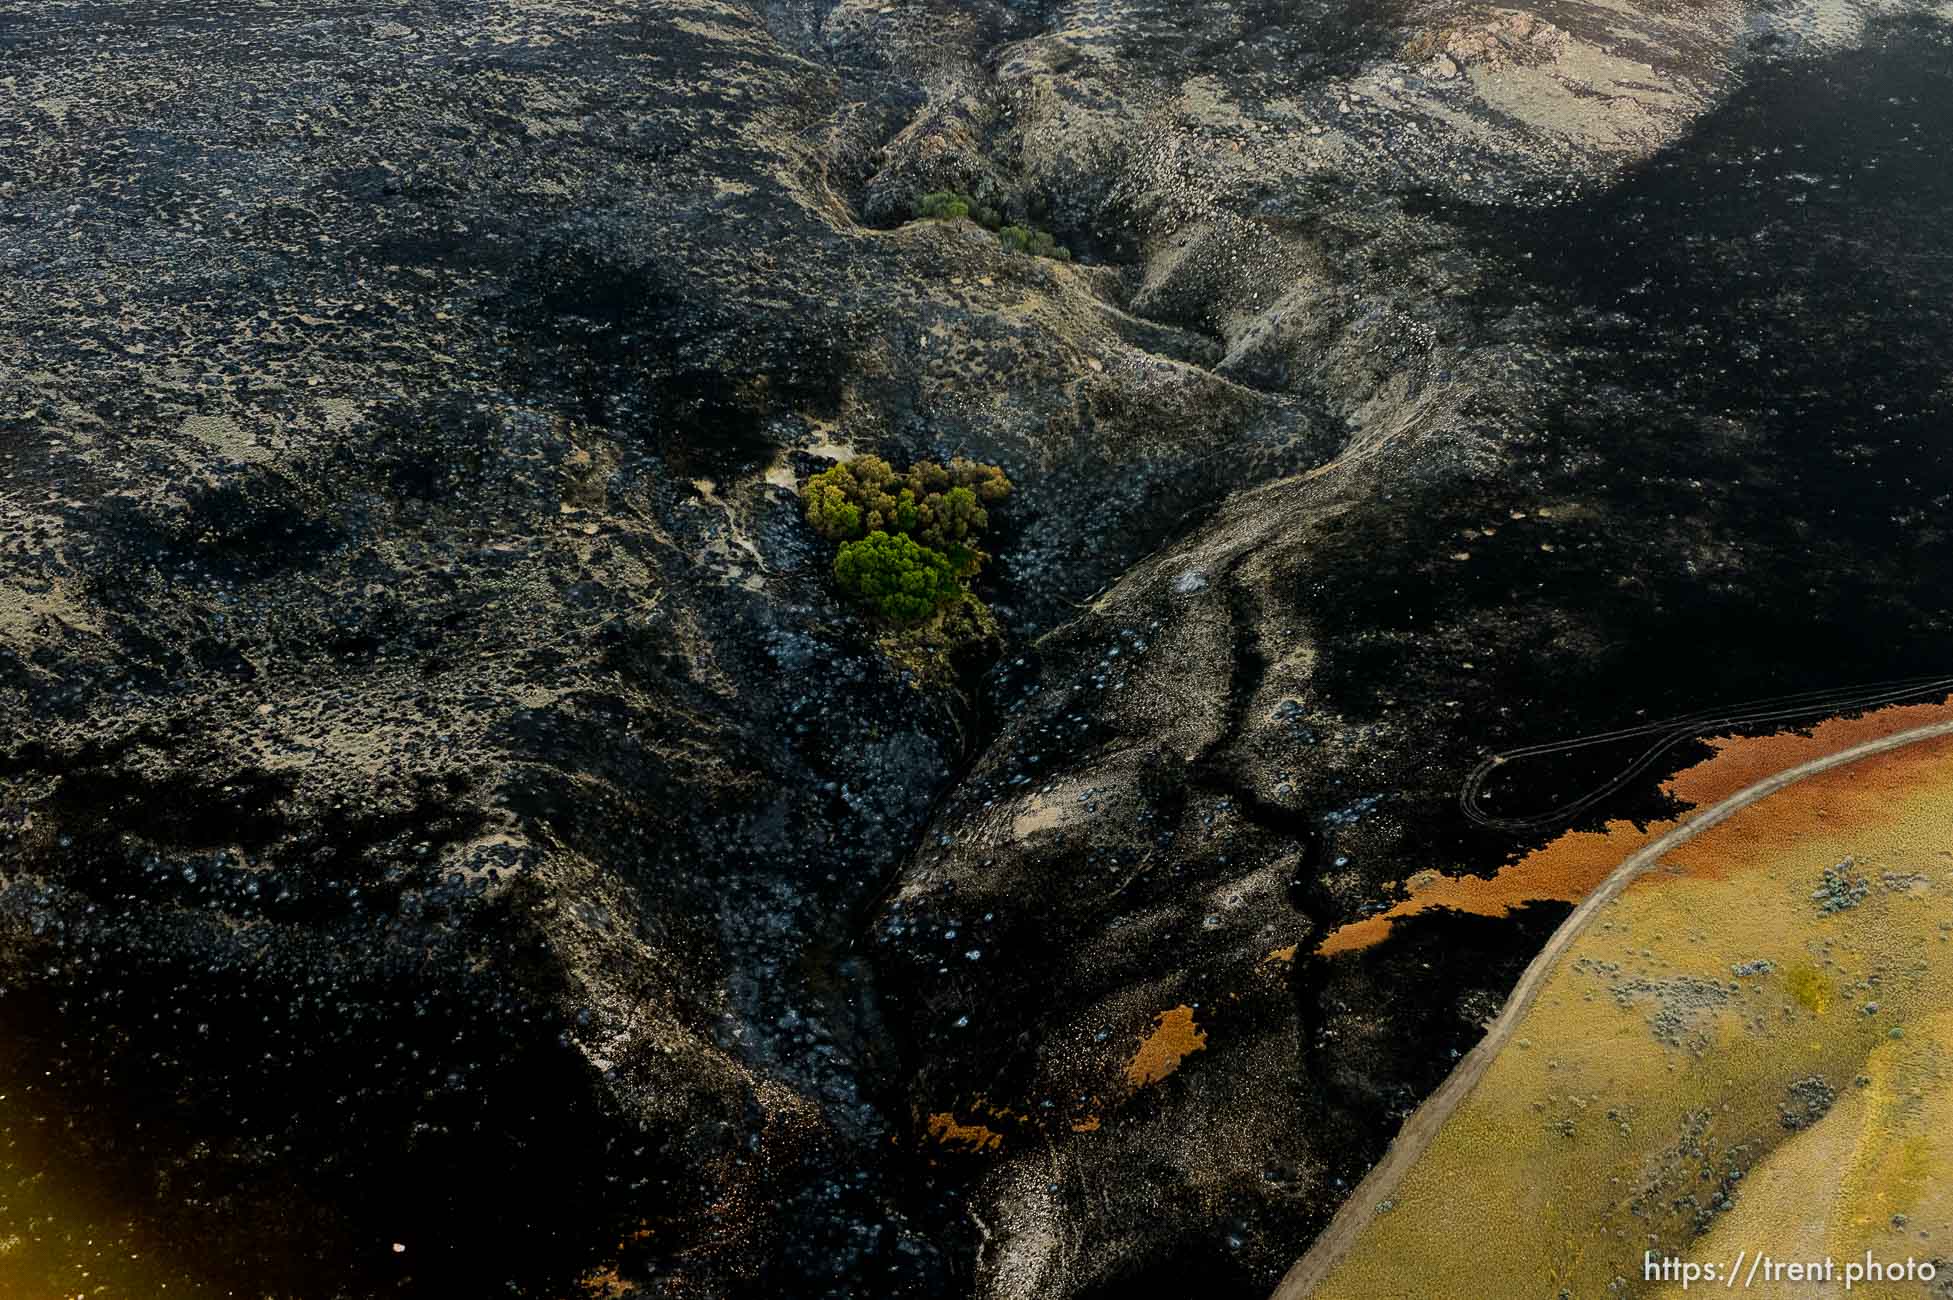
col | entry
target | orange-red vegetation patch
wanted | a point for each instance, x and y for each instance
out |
(945, 1128)
(604, 1284)
(1566, 869)
(1840, 802)
(1174, 1038)
(1090, 1124)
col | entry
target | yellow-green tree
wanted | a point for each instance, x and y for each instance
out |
(939, 509)
(901, 580)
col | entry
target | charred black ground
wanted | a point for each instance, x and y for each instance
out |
(444, 803)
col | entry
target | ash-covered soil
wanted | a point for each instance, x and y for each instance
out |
(443, 801)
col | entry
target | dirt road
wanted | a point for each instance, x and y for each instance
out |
(1425, 1122)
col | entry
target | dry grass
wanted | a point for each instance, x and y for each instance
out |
(945, 1128)
(1175, 1037)
(1655, 1099)
(1569, 868)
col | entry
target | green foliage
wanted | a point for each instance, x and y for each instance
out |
(961, 637)
(950, 205)
(830, 510)
(1036, 243)
(941, 506)
(944, 205)
(908, 540)
(902, 581)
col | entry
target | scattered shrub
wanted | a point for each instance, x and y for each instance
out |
(1037, 243)
(1843, 888)
(949, 205)
(944, 205)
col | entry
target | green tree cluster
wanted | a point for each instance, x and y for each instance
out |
(1036, 243)
(951, 205)
(908, 540)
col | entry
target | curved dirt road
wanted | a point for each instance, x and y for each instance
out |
(1427, 1119)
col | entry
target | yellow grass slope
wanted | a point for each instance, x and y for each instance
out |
(1872, 1177)
(1718, 1064)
